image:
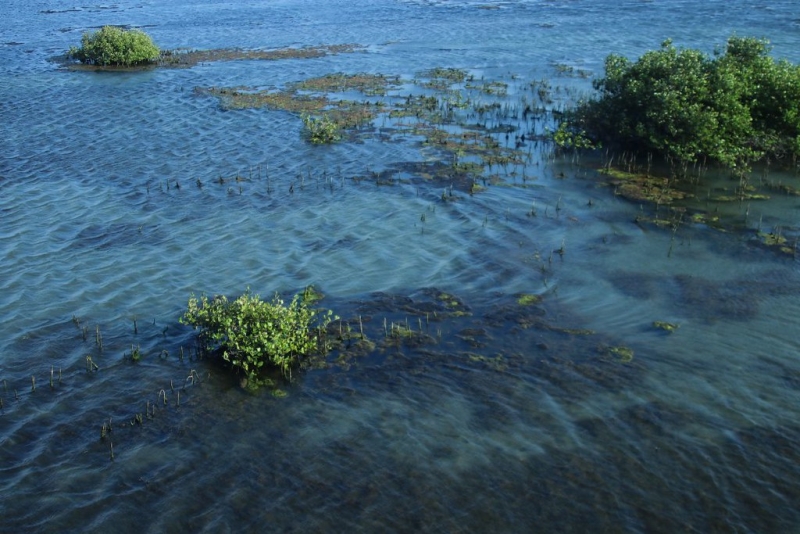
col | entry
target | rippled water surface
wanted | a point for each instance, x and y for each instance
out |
(119, 197)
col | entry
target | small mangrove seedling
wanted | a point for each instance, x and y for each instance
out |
(193, 377)
(98, 339)
(90, 365)
(51, 377)
(163, 394)
(111, 445)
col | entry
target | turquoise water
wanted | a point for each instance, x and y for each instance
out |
(502, 418)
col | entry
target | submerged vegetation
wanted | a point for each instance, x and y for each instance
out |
(249, 332)
(114, 46)
(190, 58)
(734, 109)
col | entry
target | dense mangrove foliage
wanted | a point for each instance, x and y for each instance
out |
(249, 332)
(735, 108)
(114, 46)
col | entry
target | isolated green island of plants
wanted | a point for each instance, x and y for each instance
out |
(254, 335)
(739, 107)
(113, 46)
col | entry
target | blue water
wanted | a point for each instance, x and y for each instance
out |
(502, 418)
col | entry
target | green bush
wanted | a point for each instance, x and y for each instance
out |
(321, 130)
(114, 46)
(734, 108)
(250, 332)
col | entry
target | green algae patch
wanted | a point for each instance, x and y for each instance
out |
(321, 115)
(665, 326)
(249, 98)
(574, 331)
(527, 299)
(740, 197)
(659, 222)
(777, 241)
(454, 307)
(368, 84)
(623, 354)
(448, 299)
(441, 78)
(784, 189)
(704, 218)
(772, 239)
(490, 88)
(643, 187)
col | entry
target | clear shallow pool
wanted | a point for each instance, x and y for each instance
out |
(508, 418)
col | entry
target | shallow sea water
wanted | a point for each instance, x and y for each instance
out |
(493, 416)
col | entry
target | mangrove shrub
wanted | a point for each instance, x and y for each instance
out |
(734, 108)
(250, 333)
(115, 46)
(321, 130)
